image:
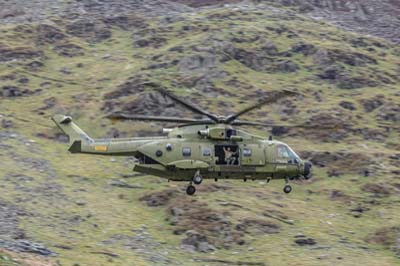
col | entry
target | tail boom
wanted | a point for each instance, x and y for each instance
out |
(80, 142)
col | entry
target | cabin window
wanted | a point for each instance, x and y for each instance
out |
(206, 151)
(168, 147)
(246, 152)
(186, 151)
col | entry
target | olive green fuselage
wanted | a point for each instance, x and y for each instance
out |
(185, 151)
(212, 151)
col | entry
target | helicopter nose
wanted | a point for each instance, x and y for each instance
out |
(307, 170)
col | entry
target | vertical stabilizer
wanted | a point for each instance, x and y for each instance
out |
(76, 134)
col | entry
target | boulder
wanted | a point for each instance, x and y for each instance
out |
(196, 242)
(48, 34)
(12, 91)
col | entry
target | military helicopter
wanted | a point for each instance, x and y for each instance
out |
(211, 148)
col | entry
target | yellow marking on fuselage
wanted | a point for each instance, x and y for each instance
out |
(100, 148)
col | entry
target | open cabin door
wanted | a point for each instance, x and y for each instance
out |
(227, 154)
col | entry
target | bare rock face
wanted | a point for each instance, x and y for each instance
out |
(326, 57)
(196, 242)
(34, 65)
(153, 42)
(9, 220)
(213, 229)
(269, 48)
(10, 12)
(201, 3)
(126, 22)
(257, 61)
(147, 103)
(161, 198)
(18, 53)
(377, 18)
(347, 81)
(12, 91)
(389, 113)
(13, 238)
(340, 163)
(305, 241)
(364, 16)
(257, 226)
(197, 63)
(373, 103)
(304, 48)
(119, 12)
(132, 86)
(49, 34)
(388, 237)
(379, 190)
(347, 105)
(69, 50)
(91, 30)
(328, 127)
(332, 66)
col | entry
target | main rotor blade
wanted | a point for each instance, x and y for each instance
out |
(120, 116)
(302, 126)
(250, 123)
(271, 99)
(198, 123)
(188, 105)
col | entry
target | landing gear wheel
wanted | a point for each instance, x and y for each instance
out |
(287, 189)
(197, 179)
(190, 190)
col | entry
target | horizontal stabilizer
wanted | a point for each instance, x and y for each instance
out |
(76, 147)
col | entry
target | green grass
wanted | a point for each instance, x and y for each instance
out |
(7, 260)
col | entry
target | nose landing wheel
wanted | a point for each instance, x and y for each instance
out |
(287, 189)
(197, 178)
(190, 190)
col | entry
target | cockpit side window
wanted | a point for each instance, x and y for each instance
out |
(284, 152)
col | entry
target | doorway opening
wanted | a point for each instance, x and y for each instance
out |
(227, 154)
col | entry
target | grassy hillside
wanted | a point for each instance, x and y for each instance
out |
(88, 210)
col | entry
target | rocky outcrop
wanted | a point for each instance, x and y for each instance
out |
(12, 237)
(365, 16)
(90, 30)
(388, 237)
(18, 53)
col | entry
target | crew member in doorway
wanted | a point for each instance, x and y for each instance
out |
(229, 156)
